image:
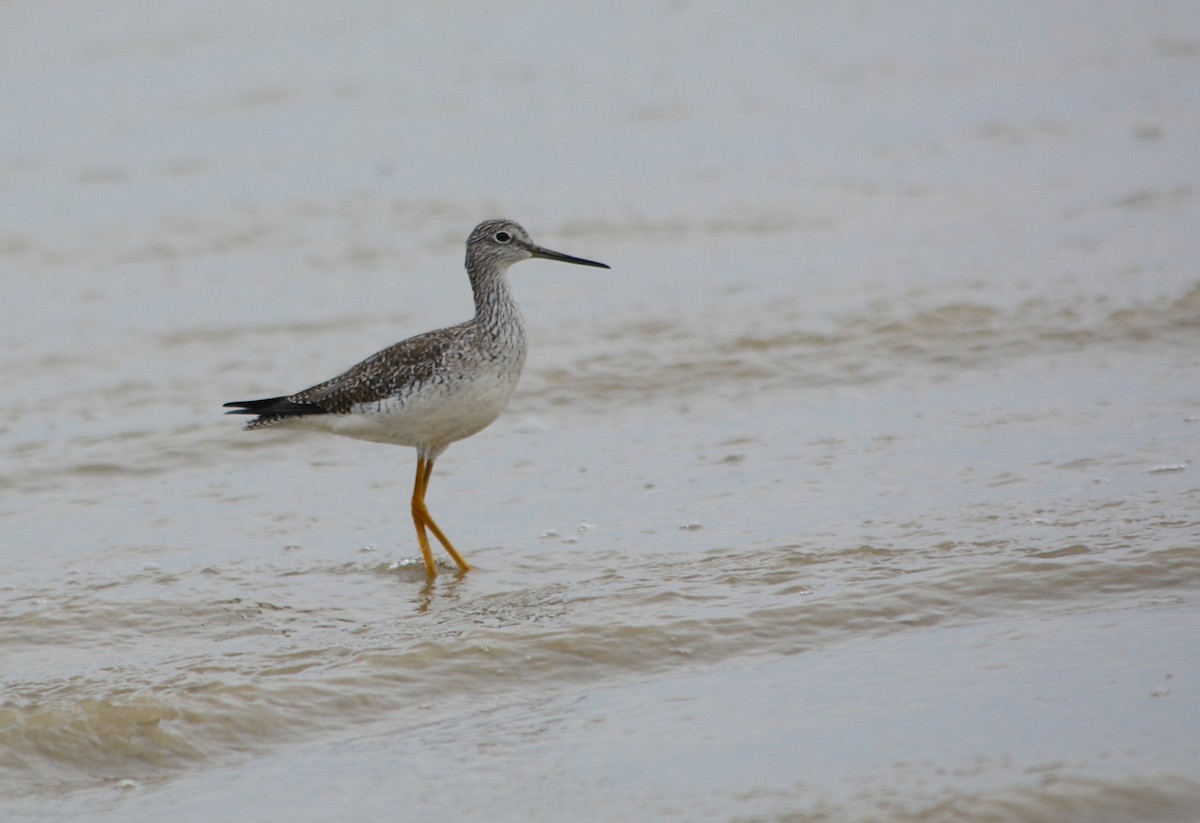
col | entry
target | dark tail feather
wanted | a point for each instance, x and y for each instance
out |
(274, 408)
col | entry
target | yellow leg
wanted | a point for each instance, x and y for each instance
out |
(418, 505)
(422, 518)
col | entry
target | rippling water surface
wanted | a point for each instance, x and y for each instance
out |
(861, 488)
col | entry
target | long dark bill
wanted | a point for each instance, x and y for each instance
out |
(538, 251)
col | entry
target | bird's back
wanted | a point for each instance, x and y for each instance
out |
(429, 390)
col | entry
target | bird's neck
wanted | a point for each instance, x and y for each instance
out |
(495, 306)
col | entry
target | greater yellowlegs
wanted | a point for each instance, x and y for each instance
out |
(433, 389)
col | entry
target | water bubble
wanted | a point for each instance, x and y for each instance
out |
(549, 533)
(691, 527)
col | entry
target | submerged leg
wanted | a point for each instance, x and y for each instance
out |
(422, 518)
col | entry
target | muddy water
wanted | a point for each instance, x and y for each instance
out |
(862, 487)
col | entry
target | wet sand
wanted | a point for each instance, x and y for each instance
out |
(861, 488)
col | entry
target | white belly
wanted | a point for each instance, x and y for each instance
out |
(432, 416)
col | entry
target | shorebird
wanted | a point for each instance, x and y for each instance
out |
(433, 389)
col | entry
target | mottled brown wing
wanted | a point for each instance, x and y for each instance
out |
(382, 375)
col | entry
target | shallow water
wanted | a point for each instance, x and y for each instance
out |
(861, 488)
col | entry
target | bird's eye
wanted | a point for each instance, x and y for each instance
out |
(503, 237)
